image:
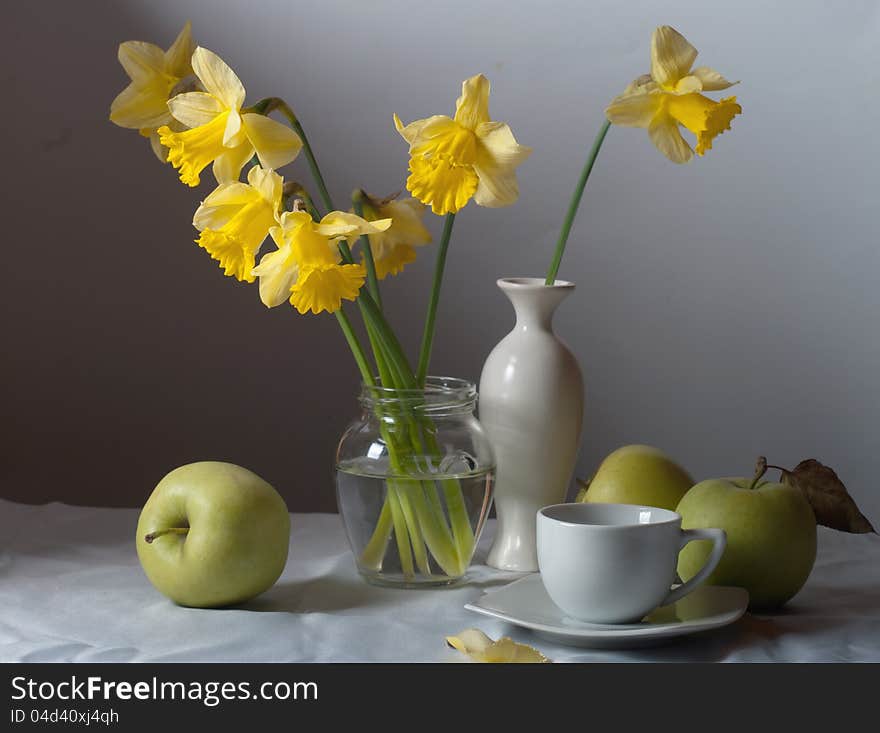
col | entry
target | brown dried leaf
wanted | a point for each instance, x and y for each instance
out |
(831, 502)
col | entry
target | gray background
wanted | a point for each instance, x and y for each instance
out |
(724, 309)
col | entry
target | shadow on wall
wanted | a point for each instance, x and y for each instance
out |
(126, 351)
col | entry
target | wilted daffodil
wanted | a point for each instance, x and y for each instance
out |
(154, 74)
(395, 248)
(671, 96)
(455, 159)
(306, 268)
(235, 220)
(220, 131)
(480, 648)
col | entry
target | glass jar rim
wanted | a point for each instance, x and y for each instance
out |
(438, 394)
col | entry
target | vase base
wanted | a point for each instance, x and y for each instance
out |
(513, 566)
(412, 582)
(514, 552)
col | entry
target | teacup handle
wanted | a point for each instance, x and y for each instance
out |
(719, 542)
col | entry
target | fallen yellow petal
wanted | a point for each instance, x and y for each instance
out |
(480, 648)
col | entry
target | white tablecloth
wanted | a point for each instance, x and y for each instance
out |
(71, 589)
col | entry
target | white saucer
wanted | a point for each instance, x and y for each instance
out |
(525, 603)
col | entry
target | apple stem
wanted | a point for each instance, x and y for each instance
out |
(171, 530)
(760, 470)
(781, 470)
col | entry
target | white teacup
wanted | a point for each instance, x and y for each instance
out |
(615, 563)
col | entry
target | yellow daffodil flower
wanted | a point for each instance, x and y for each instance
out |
(468, 156)
(220, 131)
(395, 248)
(306, 267)
(671, 96)
(480, 648)
(155, 75)
(235, 220)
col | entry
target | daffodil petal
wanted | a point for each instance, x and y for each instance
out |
(666, 136)
(290, 221)
(407, 215)
(195, 109)
(394, 260)
(178, 56)
(229, 162)
(408, 132)
(711, 80)
(217, 78)
(497, 140)
(671, 56)
(413, 132)
(441, 135)
(212, 214)
(472, 107)
(275, 143)
(319, 289)
(499, 155)
(137, 106)
(407, 228)
(159, 150)
(266, 182)
(344, 224)
(636, 109)
(688, 85)
(479, 647)
(142, 61)
(278, 272)
(231, 137)
(470, 641)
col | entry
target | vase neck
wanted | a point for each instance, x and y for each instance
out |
(534, 302)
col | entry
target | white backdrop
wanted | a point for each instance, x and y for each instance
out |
(724, 309)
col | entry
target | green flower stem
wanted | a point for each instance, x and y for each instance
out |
(389, 374)
(357, 201)
(310, 155)
(412, 525)
(356, 349)
(462, 532)
(430, 319)
(401, 534)
(373, 314)
(575, 203)
(373, 553)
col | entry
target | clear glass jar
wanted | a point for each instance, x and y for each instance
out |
(414, 479)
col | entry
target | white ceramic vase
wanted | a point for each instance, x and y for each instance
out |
(531, 405)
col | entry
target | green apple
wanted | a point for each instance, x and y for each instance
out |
(213, 534)
(638, 474)
(771, 536)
